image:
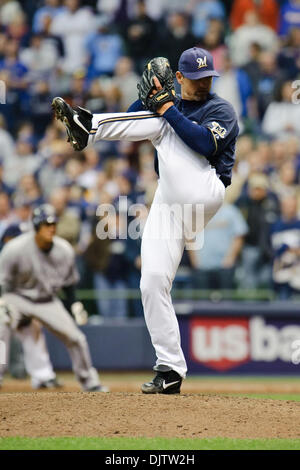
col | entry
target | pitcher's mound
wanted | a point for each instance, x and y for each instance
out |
(114, 414)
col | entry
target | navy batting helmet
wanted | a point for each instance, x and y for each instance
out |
(44, 214)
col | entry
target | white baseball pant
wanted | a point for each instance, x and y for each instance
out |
(187, 181)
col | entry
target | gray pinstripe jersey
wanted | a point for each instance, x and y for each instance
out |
(28, 271)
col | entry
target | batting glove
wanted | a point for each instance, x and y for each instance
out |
(79, 313)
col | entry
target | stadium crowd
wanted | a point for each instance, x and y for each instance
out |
(92, 54)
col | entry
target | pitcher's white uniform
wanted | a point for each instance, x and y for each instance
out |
(186, 178)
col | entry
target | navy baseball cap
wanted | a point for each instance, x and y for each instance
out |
(195, 63)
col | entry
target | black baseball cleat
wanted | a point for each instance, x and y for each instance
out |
(78, 122)
(164, 382)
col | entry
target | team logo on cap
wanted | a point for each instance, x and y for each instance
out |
(201, 62)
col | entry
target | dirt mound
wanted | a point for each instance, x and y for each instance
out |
(37, 414)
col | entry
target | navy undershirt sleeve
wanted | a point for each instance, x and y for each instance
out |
(136, 106)
(197, 137)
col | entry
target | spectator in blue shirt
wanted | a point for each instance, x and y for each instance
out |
(14, 73)
(202, 12)
(216, 261)
(104, 48)
(51, 9)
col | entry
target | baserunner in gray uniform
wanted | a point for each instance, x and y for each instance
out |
(34, 267)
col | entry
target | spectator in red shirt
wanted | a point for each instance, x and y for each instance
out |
(267, 9)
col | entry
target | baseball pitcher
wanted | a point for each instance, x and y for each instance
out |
(34, 267)
(195, 141)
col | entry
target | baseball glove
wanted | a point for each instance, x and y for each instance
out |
(158, 67)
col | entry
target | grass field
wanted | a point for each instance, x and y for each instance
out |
(273, 396)
(123, 443)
